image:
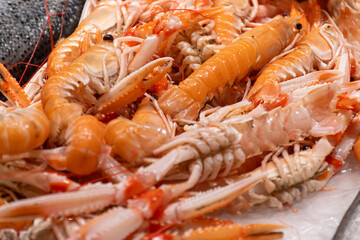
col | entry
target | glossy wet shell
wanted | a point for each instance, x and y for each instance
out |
(22, 129)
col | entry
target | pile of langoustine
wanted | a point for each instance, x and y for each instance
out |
(152, 114)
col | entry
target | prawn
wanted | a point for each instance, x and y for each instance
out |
(60, 92)
(66, 95)
(22, 129)
(108, 19)
(102, 18)
(205, 149)
(250, 137)
(250, 51)
(131, 217)
(318, 50)
(135, 139)
(159, 34)
(84, 140)
(308, 169)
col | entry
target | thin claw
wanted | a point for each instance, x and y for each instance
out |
(11, 89)
(235, 231)
(88, 200)
(313, 78)
(133, 86)
(208, 201)
(46, 181)
(255, 229)
(115, 224)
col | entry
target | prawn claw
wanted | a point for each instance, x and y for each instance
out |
(133, 86)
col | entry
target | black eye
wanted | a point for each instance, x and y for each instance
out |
(284, 14)
(108, 37)
(305, 147)
(299, 26)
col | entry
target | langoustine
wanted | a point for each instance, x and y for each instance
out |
(80, 79)
(137, 186)
(135, 214)
(23, 128)
(231, 143)
(307, 169)
(318, 50)
(249, 137)
(226, 66)
(108, 17)
(135, 139)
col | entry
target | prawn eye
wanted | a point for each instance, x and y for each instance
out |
(305, 147)
(284, 14)
(299, 26)
(108, 37)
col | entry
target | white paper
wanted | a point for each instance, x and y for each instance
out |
(319, 214)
